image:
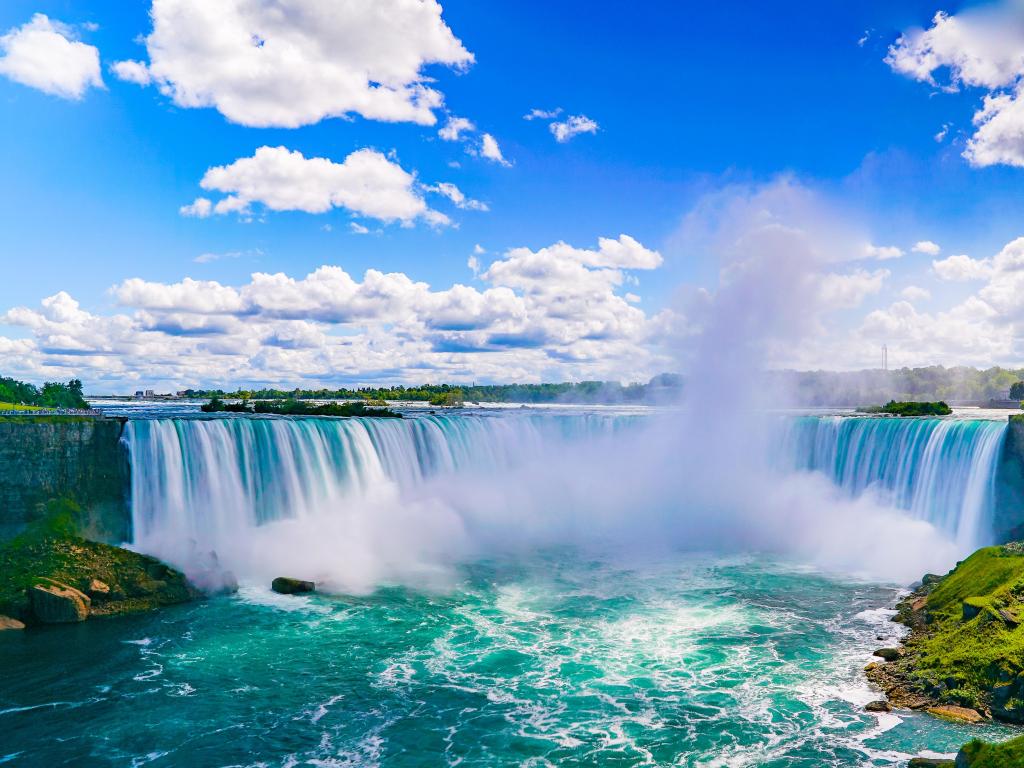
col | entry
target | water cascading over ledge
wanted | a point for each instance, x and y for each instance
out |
(943, 471)
(210, 485)
(197, 483)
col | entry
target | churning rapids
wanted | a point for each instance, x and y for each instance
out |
(513, 588)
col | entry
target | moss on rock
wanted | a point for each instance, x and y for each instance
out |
(966, 647)
(117, 581)
(981, 754)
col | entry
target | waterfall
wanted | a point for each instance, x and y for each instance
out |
(366, 500)
(197, 485)
(939, 470)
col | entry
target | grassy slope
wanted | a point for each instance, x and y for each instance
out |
(961, 660)
(51, 548)
(980, 754)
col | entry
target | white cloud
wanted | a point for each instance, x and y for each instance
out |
(456, 195)
(455, 127)
(927, 247)
(489, 148)
(979, 48)
(357, 228)
(942, 133)
(962, 267)
(132, 71)
(556, 311)
(542, 114)
(295, 62)
(366, 183)
(883, 252)
(199, 208)
(846, 291)
(45, 55)
(915, 293)
(573, 125)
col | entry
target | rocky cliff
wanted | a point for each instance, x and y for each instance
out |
(77, 458)
(1008, 522)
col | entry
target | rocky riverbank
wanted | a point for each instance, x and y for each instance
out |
(964, 656)
(49, 574)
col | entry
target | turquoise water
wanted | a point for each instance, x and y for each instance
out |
(562, 660)
(483, 614)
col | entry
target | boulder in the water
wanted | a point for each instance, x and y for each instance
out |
(56, 603)
(6, 622)
(889, 654)
(286, 586)
(878, 706)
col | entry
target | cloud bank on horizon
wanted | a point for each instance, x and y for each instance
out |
(325, 170)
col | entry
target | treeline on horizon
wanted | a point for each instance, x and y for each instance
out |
(52, 394)
(581, 392)
(802, 388)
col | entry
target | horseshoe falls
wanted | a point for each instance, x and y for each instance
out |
(942, 471)
(512, 589)
(200, 486)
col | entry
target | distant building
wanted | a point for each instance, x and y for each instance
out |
(139, 394)
(150, 393)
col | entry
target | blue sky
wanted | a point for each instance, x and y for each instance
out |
(794, 108)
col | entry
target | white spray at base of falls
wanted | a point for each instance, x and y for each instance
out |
(360, 502)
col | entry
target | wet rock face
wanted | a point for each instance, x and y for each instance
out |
(82, 459)
(6, 622)
(56, 603)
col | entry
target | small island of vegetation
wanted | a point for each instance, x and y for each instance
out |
(893, 408)
(358, 408)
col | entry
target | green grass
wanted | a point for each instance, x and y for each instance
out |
(981, 754)
(18, 407)
(965, 660)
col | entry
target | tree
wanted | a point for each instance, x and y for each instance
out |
(1017, 391)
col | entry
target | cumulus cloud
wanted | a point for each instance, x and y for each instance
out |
(982, 48)
(489, 148)
(366, 183)
(131, 71)
(295, 62)
(914, 293)
(455, 127)
(44, 54)
(573, 125)
(199, 208)
(926, 247)
(846, 291)
(557, 309)
(962, 267)
(563, 131)
(883, 252)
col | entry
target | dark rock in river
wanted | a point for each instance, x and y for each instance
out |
(56, 603)
(286, 586)
(889, 654)
(878, 706)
